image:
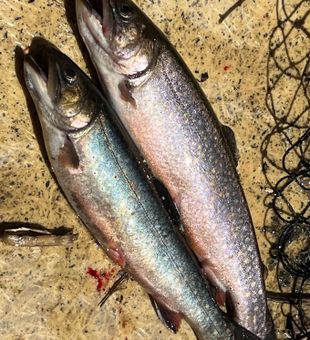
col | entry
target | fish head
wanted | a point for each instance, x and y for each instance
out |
(118, 36)
(59, 89)
(66, 101)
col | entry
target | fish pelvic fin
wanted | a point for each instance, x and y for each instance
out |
(171, 319)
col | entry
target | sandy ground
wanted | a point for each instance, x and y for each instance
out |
(45, 293)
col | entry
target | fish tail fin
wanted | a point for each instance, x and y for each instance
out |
(240, 333)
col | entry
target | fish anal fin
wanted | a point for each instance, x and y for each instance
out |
(170, 318)
(230, 138)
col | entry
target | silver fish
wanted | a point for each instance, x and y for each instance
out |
(174, 127)
(34, 237)
(105, 187)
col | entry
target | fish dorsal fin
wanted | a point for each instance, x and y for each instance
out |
(229, 136)
(171, 319)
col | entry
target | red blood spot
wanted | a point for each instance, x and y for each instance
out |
(102, 278)
(94, 273)
(99, 284)
(226, 68)
(108, 274)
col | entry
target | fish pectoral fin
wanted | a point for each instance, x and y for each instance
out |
(230, 138)
(68, 156)
(125, 93)
(170, 318)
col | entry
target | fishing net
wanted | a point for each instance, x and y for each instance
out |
(286, 163)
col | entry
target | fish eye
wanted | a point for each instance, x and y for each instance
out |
(125, 11)
(69, 74)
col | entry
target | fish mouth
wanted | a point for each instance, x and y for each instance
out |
(40, 71)
(115, 46)
(95, 19)
(97, 25)
(103, 12)
(57, 86)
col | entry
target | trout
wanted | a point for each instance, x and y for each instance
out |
(171, 122)
(105, 187)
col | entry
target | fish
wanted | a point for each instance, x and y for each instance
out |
(34, 237)
(168, 117)
(104, 185)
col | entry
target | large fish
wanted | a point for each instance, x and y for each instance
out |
(174, 127)
(105, 187)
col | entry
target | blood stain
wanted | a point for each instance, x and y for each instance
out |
(102, 278)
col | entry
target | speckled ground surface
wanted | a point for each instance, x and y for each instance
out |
(45, 293)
